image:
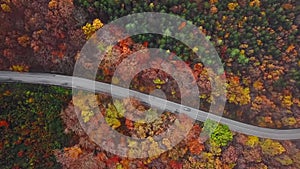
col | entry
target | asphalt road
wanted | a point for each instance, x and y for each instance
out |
(119, 92)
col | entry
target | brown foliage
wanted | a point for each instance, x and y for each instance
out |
(44, 36)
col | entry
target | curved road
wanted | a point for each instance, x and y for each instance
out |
(98, 87)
